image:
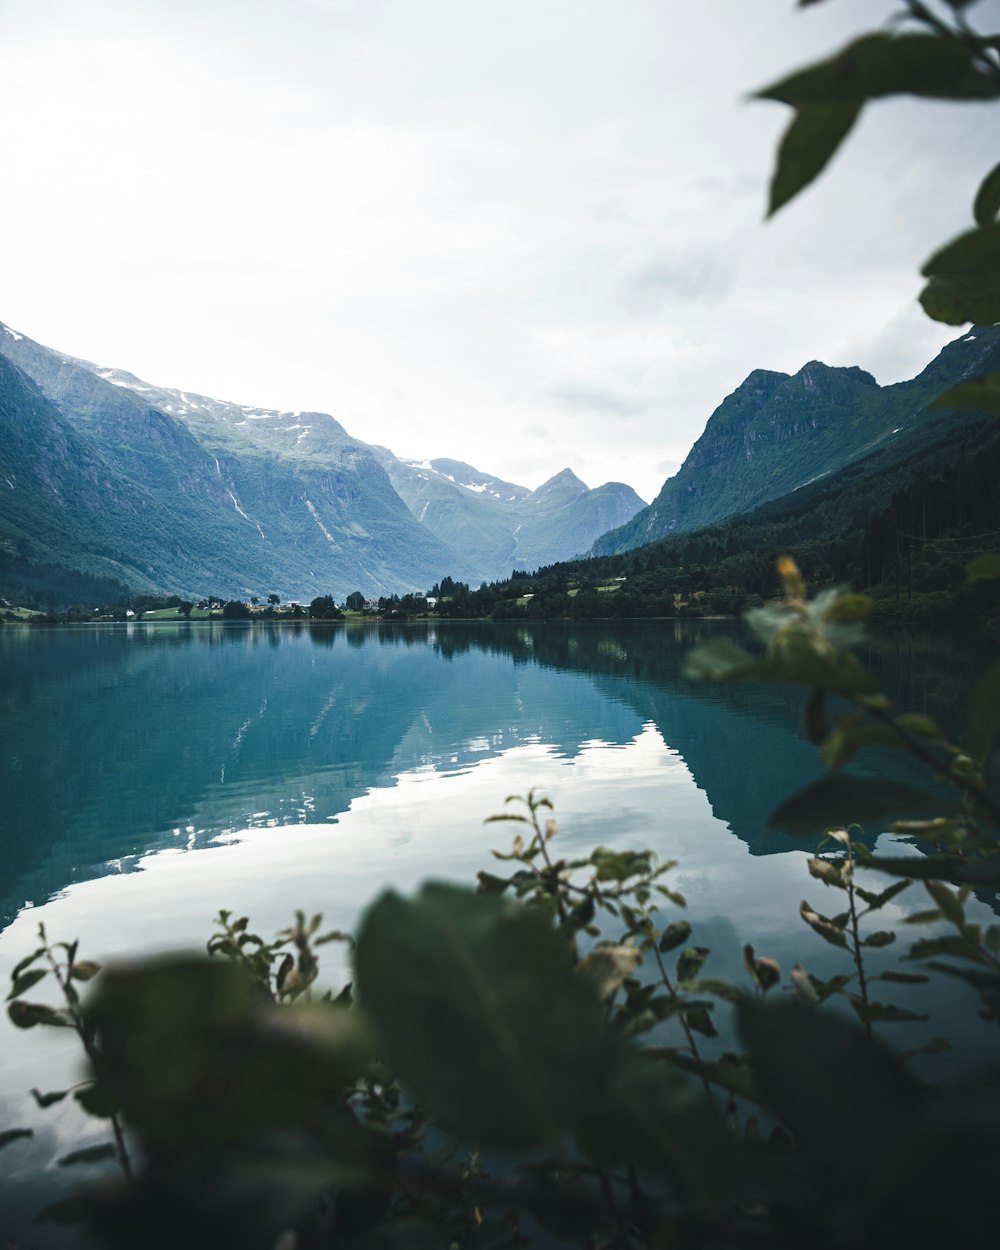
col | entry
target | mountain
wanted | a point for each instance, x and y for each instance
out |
(161, 490)
(497, 526)
(236, 499)
(777, 433)
(82, 519)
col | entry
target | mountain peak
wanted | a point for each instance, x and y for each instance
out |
(564, 482)
(817, 376)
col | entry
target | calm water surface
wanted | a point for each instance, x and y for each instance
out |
(151, 776)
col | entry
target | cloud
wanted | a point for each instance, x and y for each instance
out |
(442, 222)
(607, 400)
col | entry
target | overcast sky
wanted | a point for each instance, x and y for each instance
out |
(523, 233)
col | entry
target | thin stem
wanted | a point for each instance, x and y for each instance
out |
(692, 1044)
(856, 939)
(540, 835)
(73, 1003)
(917, 748)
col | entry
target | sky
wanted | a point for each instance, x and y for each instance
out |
(527, 234)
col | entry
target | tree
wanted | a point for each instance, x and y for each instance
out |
(235, 610)
(356, 601)
(274, 600)
(323, 608)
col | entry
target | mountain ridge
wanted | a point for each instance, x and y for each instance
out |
(833, 415)
(300, 505)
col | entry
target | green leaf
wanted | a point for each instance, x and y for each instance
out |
(27, 1015)
(719, 989)
(933, 1046)
(850, 734)
(984, 714)
(849, 609)
(14, 1134)
(700, 1021)
(25, 981)
(620, 865)
(607, 967)
(948, 903)
(974, 872)
(690, 961)
(903, 978)
(47, 1100)
(919, 725)
(964, 279)
(89, 1154)
(75, 1209)
(884, 64)
(957, 947)
(980, 394)
(883, 1013)
(875, 901)
(840, 800)
(798, 663)
(25, 962)
(97, 1101)
(930, 916)
(731, 1072)
(863, 1084)
(830, 872)
(674, 935)
(764, 972)
(882, 938)
(480, 1011)
(986, 205)
(490, 884)
(986, 981)
(812, 137)
(200, 1061)
(826, 929)
(84, 970)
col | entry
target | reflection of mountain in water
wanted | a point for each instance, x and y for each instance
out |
(116, 742)
(742, 742)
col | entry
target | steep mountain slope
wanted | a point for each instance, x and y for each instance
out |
(82, 519)
(777, 433)
(235, 500)
(497, 526)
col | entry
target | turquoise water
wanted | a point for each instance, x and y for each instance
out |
(152, 775)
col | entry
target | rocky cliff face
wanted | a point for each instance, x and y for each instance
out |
(778, 432)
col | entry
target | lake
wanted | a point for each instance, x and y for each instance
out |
(153, 774)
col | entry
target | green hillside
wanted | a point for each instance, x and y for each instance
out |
(775, 434)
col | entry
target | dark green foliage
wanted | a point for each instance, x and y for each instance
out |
(479, 1011)
(323, 608)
